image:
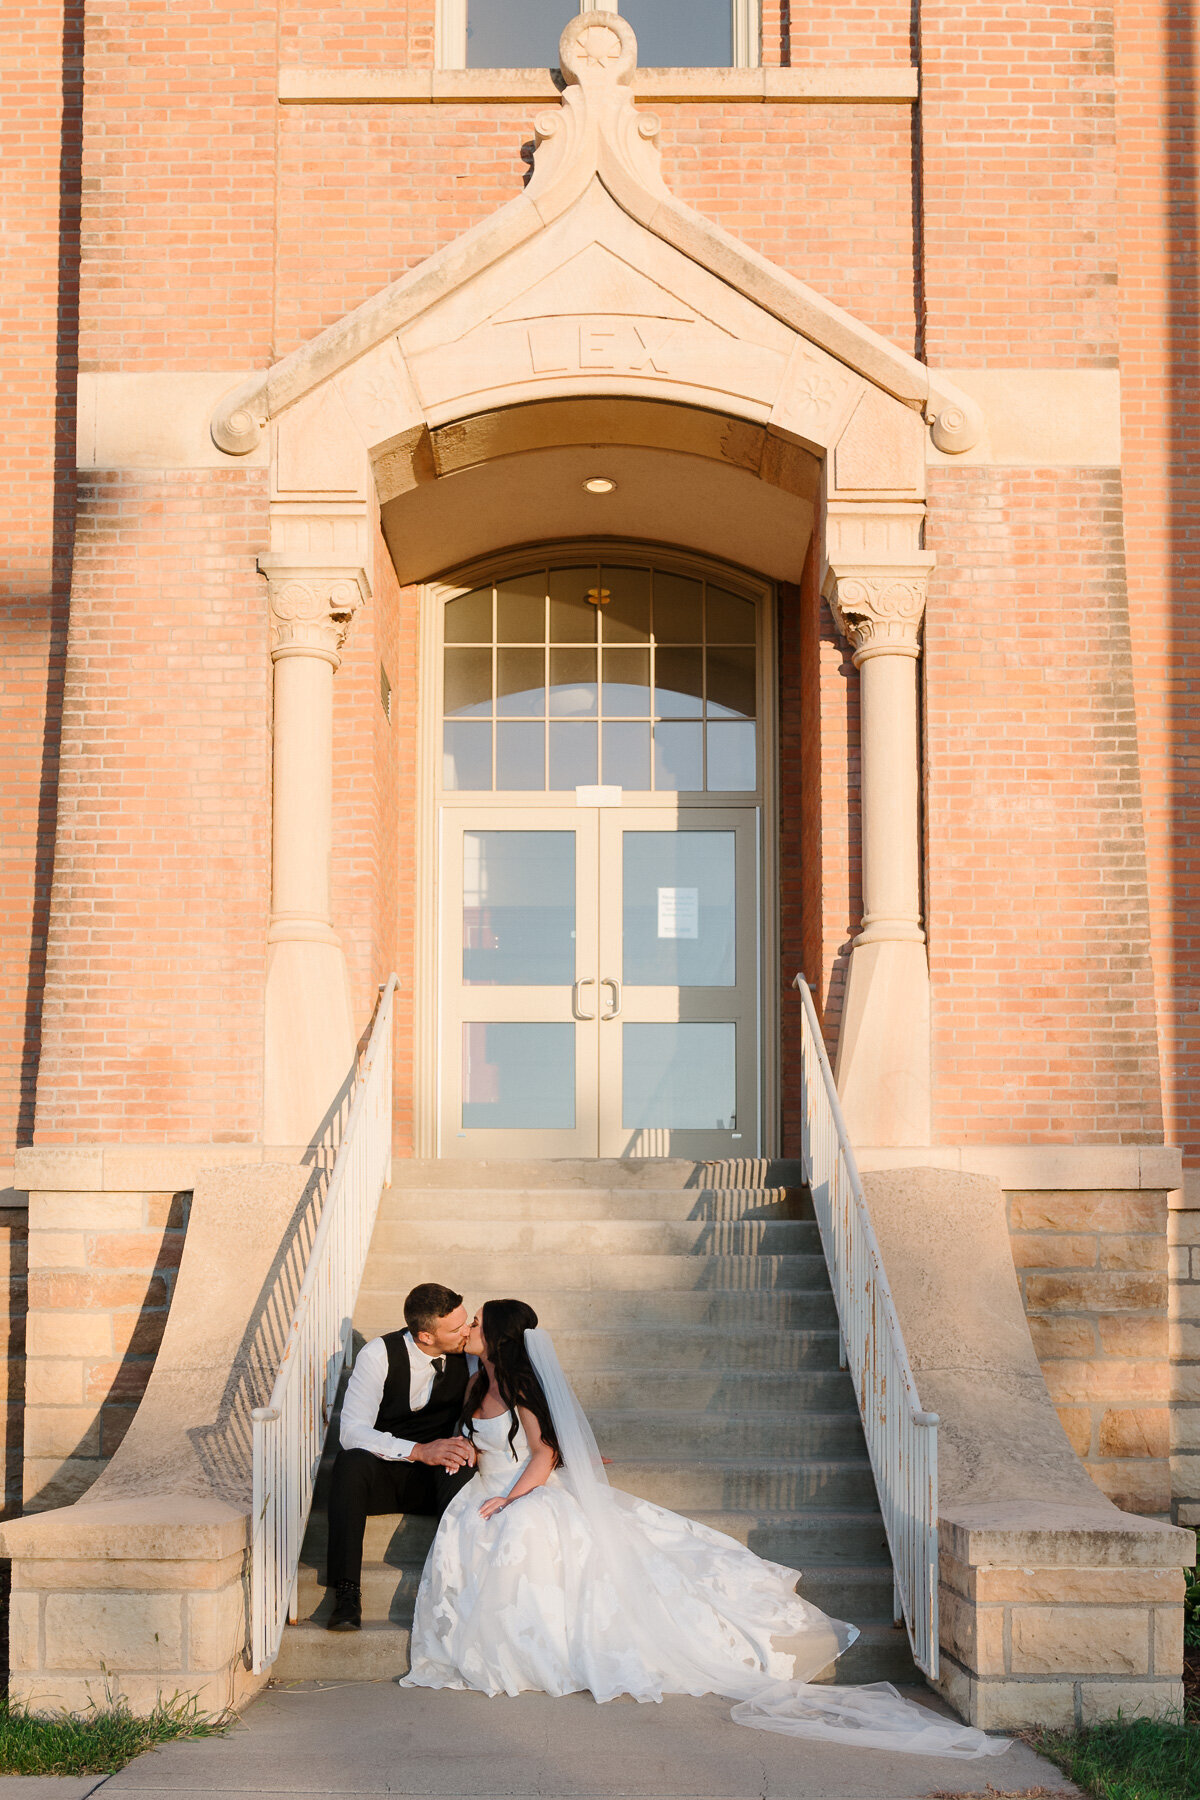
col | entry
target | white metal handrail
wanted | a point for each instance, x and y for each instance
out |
(289, 1433)
(901, 1438)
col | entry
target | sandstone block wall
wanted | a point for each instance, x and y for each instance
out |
(14, 1231)
(1092, 1268)
(1061, 1647)
(1184, 1240)
(102, 1270)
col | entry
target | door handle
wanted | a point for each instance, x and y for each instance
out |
(576, 1008)
(608, 982)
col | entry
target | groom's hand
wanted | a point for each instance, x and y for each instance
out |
(444, 1453)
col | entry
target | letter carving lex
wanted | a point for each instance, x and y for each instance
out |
(624, 346)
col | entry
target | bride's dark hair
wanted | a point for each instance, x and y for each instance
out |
(504, 1324)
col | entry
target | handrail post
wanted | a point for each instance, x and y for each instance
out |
(901, 1437)
(288, 1434)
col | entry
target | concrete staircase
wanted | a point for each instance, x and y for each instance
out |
(691, 1306)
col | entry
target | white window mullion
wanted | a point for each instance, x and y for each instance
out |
(747, 47)
(450, 27)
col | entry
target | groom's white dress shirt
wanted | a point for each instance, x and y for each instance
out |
(364, 1391)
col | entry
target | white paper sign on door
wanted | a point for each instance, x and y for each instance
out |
(678, 912)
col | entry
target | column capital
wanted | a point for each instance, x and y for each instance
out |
(879, 606)
(312, 605)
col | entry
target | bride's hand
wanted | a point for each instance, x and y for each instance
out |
(490, 1508)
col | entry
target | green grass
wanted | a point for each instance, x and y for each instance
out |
(98, 1742)
(1135, 1759)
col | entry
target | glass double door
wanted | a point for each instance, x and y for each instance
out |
(600, 982)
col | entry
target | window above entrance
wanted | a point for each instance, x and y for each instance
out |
(580, 674)
(519, 34)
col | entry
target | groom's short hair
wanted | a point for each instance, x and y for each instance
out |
(427, 1304)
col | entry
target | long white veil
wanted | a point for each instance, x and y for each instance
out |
(875, 1716)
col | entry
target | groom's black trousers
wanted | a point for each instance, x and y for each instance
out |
(363, 1485)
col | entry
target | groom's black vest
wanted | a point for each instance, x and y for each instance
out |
(439, 1416)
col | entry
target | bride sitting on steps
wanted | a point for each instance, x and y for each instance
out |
(543, 1577)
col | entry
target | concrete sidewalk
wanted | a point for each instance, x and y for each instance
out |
(369, 1738)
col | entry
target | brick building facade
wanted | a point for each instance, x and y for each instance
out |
(204, 193)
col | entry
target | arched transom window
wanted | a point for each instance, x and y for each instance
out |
(582, 673)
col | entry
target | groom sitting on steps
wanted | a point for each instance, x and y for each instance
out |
(403, 1400)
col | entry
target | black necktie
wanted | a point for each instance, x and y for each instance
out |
(439, 1363)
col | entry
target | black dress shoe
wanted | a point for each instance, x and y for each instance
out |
(347, 1611)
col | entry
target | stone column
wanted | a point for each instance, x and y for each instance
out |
(309, 1019)
(883, 1066)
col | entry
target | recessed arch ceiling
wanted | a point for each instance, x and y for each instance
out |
(683, 476)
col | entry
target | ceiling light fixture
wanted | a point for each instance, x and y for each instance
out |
(599, 484)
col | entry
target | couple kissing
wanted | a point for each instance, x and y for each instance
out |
(544, 1577)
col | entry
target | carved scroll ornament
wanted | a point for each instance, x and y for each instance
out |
(882, 612)
(597, 129)
(312, 610)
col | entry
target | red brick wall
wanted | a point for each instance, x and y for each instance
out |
(179, 168)
(360, 34)
(1158, 53)
(1018, 184)
(39, 204)
(153, 1019)
(1037, 909)
(875, 33)
(820, 840)
(367, 192)
(221, 229)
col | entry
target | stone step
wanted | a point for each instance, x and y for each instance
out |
(646, 1432)
(691, 1304)
(863, 1595)
(657, 1173)
(695, 1347)
(694, 1483)
(750, 1442)
(453, 1235)
(760, 1493)
(715, 1393)
(614, 1309)
(596, 1203)
(806, 1537)
(480, 1275)
(797, 1390)
(379, 1652)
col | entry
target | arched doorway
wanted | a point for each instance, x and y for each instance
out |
(601, 774)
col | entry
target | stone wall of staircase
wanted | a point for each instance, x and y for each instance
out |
(1093, 1273)
(101, 1274)
(14, 1232)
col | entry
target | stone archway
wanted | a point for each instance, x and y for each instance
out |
(595, 307)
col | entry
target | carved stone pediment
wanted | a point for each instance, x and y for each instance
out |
(597, 280)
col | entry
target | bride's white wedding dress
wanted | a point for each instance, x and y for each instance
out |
(527, 1599)
(580, 1587)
